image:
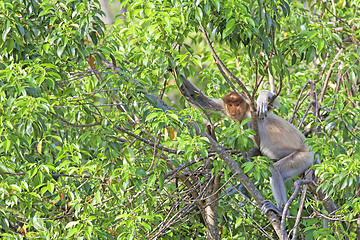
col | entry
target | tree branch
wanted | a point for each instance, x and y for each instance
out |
(297, 185)
(298, 216)
(249, 99)
(326, 82)
(274, 221)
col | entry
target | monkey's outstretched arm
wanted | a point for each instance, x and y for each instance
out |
(198, 99)
(263, 103)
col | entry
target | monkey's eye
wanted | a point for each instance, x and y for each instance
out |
(230, 105)
(238, 104)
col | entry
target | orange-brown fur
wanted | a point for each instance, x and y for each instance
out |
(235, 106)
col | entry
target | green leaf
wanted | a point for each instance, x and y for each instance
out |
(147, 226)
(199, 14)
(284, 10)
(7, 28)
(44, 106)
(213, 33)
(7, 146)
(286, 5)
(217, 4)
(293, 59)
(269, 22)
(10, 43)
(104, 123)
(16, 187)
(251, 21)
(129, 155)
(71, 224)
(261, 13)
(320, 44)
(344, 184)
(337, 37)
(256, 175)
(189, 49)
(153, 115)
(248, 166)
(50, 187)
(145, 60)
(312, 34)
(97, 197)
(60, 51)
(230, 26)
(310, 54)
(46, 47)
(151, 181)
(197, 62)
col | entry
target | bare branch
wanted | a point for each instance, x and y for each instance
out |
(248, 98)
(339, 77)
(274, 221)
(298, 216)
(55, 175)
(224, 70)
(76, 125)
(326, 82)
(297, 104)
(297, 185)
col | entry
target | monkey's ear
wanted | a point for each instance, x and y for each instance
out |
(262, 102)
(197, 98)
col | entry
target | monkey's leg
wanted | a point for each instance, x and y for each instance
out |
(279, 193)
(294, 164)
(287, 167)
(278, 187)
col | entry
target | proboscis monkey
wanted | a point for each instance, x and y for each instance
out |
(279, 140)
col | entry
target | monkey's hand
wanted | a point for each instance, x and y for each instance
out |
(270, 206)
(262, 103)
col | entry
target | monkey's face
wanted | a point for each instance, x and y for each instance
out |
(235, 106)
(236, 110)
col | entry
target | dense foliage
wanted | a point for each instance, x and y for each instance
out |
(89, 150)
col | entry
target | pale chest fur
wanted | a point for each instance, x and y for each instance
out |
(278, 138)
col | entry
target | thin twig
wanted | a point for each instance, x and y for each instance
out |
(326, 82)
(341, 66)
(297, 106)
(76, 125)
(305, 114)
(248, 99)
(298, 216)
(297, 185)
(163, 88)
(226, 70)
(55, 175)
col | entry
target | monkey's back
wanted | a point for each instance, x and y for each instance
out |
(278, 138)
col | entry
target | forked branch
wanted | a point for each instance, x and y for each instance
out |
(247, 98)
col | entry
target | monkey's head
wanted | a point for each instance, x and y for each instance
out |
(235, 106)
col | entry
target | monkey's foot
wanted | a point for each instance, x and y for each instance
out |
(269, 206)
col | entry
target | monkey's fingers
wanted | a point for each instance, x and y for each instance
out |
(262, 110)
(269, 206)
